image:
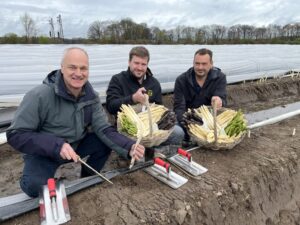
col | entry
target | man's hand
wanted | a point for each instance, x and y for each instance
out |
(217, 101)
(138, 96)
(137, 153)
(67, 152)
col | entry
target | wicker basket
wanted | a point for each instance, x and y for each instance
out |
(150, 141)
(217, 146)
(147, 141)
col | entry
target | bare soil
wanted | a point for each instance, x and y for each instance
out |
(256, 183)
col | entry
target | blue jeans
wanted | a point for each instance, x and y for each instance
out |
(37, 169)
(175, 137)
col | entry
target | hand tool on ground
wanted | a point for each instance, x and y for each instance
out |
(184, 160)
(162, 171)
(52, 194)
(54, 208)
(95, 171)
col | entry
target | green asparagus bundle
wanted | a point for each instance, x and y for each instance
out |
(128, 126)
(236, 125)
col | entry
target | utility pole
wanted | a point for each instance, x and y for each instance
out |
(60, 33)
(51, 32)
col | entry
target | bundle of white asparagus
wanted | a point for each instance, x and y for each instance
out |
(136, 125)
(230, 125)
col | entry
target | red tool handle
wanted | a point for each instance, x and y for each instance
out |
(162, 163)
(51, 187)
(185, 153)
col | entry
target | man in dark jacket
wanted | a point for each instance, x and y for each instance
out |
(62, 119)
(202, 84)
(129, 87)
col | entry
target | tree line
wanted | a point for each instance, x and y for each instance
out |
(126, 31)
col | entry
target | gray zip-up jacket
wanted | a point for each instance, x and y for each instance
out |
(49, 116)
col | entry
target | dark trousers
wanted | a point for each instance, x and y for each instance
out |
(38, 169)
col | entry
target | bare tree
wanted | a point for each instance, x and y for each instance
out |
(114, 33)
(200, 36)
(178, 33)
(96, 30)
(206, 33)
(274, 31)
(247, 31)
(217, 32)
(233, 32)
(189, 34)
(297, 26)
(29, 26)
(260, 33)
(155, 31)
(292, 30)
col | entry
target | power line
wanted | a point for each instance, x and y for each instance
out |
(51, 32)
(60, 33)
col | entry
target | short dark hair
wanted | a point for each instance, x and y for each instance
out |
(204, 51)
(139, 51)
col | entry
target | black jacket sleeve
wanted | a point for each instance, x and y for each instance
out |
(179, 100)
(34, 143)
(157, 97)
(221, 89)
(115, 96)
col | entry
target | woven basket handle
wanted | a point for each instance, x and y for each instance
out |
(132, 158)
(149, 114)
(215, 121)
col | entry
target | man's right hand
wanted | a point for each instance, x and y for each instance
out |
(138, 96)
(216, 101)
(67, 152)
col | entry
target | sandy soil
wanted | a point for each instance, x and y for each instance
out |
(257, 182)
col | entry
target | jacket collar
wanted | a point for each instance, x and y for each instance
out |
(212, 75)
(55, 79)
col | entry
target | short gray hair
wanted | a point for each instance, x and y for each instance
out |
(66, 51)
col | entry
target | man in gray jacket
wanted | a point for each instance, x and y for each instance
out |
(62, 119)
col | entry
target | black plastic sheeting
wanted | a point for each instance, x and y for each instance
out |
(18, 204)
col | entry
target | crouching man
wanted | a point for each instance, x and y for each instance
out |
(61, 120)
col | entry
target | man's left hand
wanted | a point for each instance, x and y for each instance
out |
(217, 101)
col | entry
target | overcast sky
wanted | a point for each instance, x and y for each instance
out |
(77, 15)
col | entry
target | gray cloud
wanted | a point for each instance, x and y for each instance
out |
(77, 15)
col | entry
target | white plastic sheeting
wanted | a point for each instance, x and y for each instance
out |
(25, 66)
(2, 138)
(274, 119)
